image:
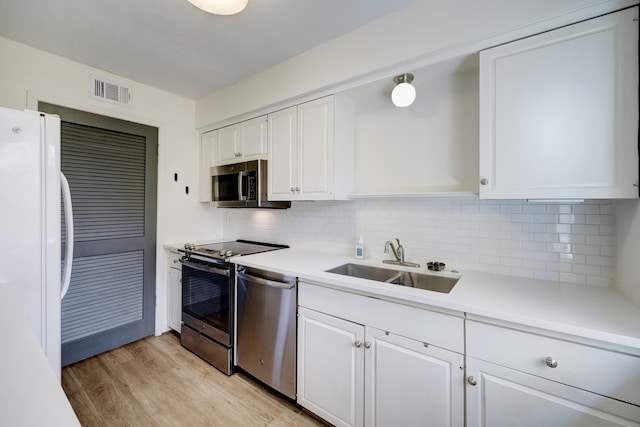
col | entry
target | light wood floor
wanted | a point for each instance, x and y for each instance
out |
(156, 382)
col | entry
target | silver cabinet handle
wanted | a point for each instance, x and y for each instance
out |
(472, 380)
(551, 362)
(297, 188)
(367, 344)
(484, 181)
(293, 189)
(358, 343)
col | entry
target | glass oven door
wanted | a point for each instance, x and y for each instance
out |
(207, 298)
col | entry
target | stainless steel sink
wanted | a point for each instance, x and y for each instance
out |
(424, 281)
(365, 272)
(430, 282)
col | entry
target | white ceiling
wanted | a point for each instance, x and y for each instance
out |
(171, 45)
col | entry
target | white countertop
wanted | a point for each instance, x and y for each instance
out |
(586, 313)
(30, 394)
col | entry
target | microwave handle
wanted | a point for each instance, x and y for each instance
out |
(241, 177)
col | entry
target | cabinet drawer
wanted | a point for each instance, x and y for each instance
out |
(431, 327)
(590, 368)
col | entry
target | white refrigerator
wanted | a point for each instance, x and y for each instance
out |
(30, 222)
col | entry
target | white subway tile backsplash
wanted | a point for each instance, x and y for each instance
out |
(600, 219)
(586, 229)
(571, 219)
(558, 209)
(586, 209)
(545, 218)
(568, 242)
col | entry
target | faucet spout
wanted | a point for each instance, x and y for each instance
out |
(398, 254)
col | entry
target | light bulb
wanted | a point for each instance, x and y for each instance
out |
(403, 94)
(220, 7)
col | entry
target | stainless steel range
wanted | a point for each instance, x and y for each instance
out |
(208, 296)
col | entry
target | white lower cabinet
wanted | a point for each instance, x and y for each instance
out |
(174, 291)
(522, 378)
(331, 368)
(354, 374)
(410, 383)
(504, 397)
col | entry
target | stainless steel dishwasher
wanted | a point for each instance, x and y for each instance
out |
(266, 328)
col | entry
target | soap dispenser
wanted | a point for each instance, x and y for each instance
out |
(360, 249)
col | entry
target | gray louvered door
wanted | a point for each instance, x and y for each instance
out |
(111, 168)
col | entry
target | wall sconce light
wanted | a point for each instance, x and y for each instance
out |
(220, 7)
(404, 93)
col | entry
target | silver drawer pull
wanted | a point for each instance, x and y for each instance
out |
(472, 380)
(551, 362)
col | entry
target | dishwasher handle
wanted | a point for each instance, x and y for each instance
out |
(265, 282)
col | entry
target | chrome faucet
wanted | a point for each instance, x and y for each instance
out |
(398, 254)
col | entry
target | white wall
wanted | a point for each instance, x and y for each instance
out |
(575, 243)
(28, 75)
(431, 146)
(419, 33)
(627, 271)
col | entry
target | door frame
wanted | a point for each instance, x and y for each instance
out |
(146, 326)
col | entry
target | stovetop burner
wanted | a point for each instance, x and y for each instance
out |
(225, 250)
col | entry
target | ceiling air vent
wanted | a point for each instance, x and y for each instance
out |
(110, 91)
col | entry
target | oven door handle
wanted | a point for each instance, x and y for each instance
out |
(202, 267)
(265, 282)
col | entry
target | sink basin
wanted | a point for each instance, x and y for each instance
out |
(429, 282)
(365, 272)
(424, 281)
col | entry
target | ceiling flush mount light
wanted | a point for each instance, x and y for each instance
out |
(404, 93)
(220, 7)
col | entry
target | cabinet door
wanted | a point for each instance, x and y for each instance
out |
(499, 396)
(227, 145)
(282, 166)
(408, 383)
(174, 303)
(315, 149)
(559, 113)
(331, 368)
(253, 137)
(207, 159)
(174, 291)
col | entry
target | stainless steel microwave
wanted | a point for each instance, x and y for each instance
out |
(242, 185)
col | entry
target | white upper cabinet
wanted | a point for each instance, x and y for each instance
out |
(559, 113)
(207, 159)
(242, 141)
(311, 150)
(227, 146)
(281, 166)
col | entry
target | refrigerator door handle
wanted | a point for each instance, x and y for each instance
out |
(68, 221)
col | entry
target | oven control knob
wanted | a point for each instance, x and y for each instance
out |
(189, 246)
